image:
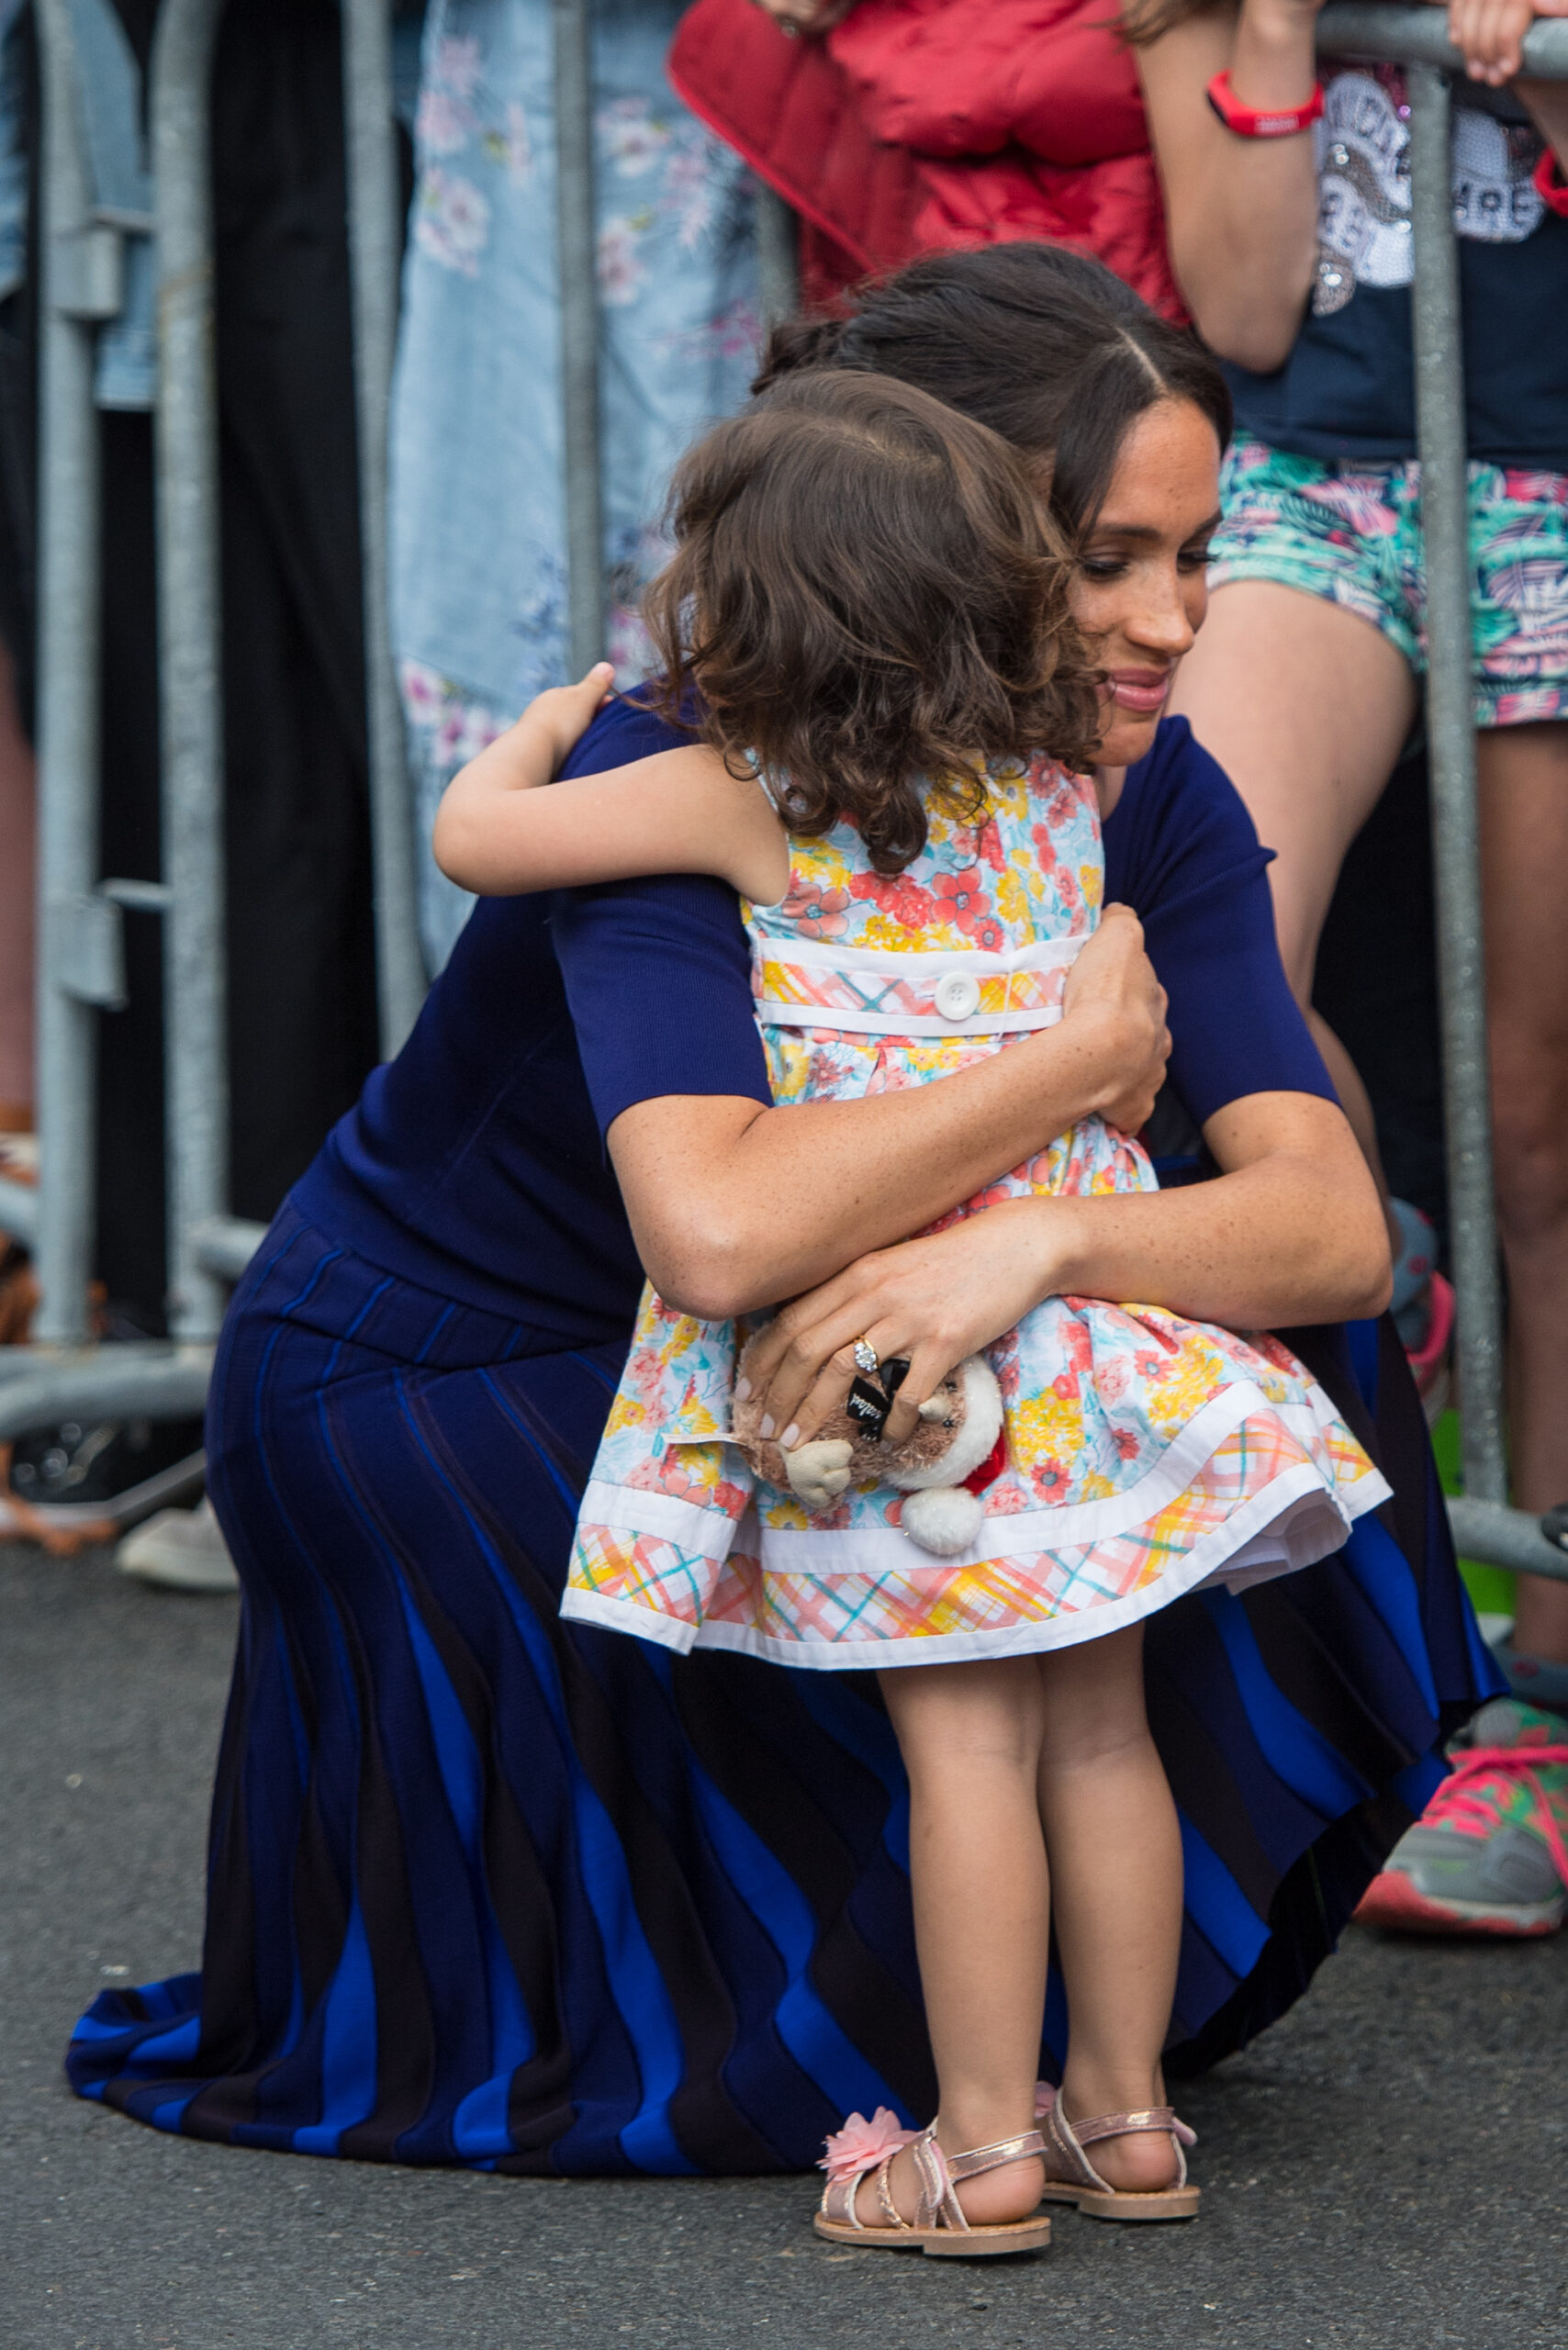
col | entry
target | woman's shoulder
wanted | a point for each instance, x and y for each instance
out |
(1177, 769)
(1178, 823)
(631, 726)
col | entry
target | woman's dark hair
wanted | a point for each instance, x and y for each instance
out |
(1047, 347)
(865, 593)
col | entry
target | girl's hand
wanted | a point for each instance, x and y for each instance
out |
(1491, 34)
(562, 714)
(934, 1301)
(1112, 986)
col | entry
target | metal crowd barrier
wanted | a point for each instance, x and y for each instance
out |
(1485, 1527)
(80, 967)
(81, 963)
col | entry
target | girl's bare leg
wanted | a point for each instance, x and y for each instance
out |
(1115, 1863)
(971, 1737)
(1307, 707)
(1524, 855)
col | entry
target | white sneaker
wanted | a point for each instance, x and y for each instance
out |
(180, 1548)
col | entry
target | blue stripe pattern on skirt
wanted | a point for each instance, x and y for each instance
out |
(491, 1889)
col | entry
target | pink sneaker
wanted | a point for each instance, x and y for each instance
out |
(1489, 1855)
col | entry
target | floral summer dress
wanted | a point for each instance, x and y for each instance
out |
(1146, 1455)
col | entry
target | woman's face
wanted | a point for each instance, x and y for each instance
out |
(1139, 594)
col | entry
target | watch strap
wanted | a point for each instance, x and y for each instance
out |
(1261, 122)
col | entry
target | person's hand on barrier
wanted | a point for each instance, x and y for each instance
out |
(931, 1301)
(1490, 34)
(1112, 989)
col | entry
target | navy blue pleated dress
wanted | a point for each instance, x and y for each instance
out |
(491, 1890)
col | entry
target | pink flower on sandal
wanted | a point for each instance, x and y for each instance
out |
(860, 2143)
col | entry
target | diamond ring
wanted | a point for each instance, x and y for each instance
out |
(866, 1358)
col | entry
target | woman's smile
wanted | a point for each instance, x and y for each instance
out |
(1142, 691)
(1140, 593)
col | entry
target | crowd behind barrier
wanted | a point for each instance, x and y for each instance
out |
(80, 956)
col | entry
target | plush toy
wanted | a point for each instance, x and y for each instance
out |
(957, 1451)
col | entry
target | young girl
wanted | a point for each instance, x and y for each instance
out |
(867, 602)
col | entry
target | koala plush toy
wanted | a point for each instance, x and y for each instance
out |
(955, 1452)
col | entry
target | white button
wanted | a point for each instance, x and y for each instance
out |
(957, 995)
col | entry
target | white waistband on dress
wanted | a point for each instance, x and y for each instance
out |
(816, 983)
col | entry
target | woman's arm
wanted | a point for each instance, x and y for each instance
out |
(734, 1205)
(1241, 213)
(1291, 1231)
(498, 834)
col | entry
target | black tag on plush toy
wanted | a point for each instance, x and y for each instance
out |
(868, 1408)
(868, 1405)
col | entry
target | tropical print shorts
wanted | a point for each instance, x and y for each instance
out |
(1353, 534)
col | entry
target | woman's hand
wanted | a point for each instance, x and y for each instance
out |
(1113, 989)
(933, 1300)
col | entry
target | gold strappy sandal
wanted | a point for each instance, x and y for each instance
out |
(1072, 2178)
(939, 2227)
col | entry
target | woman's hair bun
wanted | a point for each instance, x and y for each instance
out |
(1046, 346)
(795, 344)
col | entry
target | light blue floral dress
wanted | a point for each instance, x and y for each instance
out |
(479, 556)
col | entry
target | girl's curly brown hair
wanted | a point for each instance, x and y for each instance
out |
(866, 593)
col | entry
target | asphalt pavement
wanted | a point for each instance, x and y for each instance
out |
(1383, 2171)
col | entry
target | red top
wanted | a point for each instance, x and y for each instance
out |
(917, 125)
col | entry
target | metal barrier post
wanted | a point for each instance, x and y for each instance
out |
(196, 1079)
(1451, 735)
(778, 256)
(1416, 36)
(375, 243)
(577, 247)
(68, 699)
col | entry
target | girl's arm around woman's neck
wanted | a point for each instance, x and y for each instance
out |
(501, 833)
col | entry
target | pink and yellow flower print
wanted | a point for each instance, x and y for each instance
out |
(818, 913)
(1146, 1455)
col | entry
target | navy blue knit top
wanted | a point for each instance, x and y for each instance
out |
(473, 1163)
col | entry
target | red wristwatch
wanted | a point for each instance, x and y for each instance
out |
(1551, 186)
(1255, 122)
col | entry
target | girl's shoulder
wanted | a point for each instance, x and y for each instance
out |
(1042, 799)
(1060, 792)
